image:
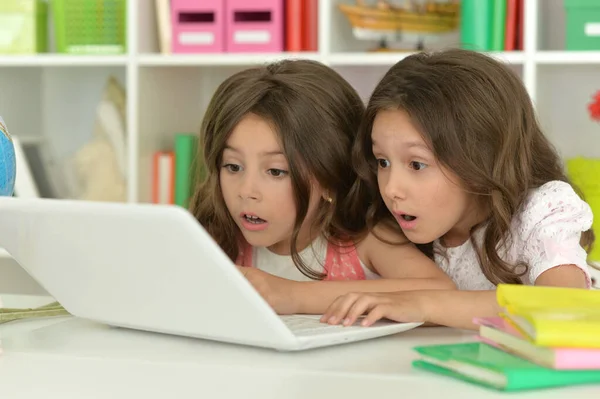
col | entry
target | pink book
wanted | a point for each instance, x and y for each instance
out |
(499, 333)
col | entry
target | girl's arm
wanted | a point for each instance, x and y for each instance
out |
(442, 307)
(402, 267)
(551, 223)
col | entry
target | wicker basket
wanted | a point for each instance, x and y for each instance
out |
(90, 26)
(432, 17)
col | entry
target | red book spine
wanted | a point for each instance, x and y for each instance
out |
(294, 11)
(311, 26)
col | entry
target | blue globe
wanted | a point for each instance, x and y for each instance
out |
(8, 165)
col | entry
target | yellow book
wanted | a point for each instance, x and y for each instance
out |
(553, 316)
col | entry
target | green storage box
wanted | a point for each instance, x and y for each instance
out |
(23, 26)
(90, 26)
(583, 24)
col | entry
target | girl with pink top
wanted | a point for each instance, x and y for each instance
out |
(452, 140)
(281, 197)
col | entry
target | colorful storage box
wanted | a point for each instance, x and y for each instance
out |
(198, 26)
(254, 26)
(583, 24)
(23, 26)
(90, 26)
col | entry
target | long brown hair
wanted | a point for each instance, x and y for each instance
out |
(316, 115)
(478, 119)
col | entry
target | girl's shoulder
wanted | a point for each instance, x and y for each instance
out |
(555, 201)
(552, 210)
(549, 227)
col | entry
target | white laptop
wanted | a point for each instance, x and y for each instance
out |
(153, 268)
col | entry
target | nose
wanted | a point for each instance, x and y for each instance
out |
(249, 188)
(394, 186)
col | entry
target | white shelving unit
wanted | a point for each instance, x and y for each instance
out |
(52, 97)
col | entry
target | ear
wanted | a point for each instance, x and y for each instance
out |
(327, 197)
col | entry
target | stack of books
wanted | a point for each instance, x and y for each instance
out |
(544, 337)
(176, 171)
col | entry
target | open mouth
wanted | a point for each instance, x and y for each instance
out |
(253, 219)
(408, 218)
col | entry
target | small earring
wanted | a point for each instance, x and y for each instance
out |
(329, 199)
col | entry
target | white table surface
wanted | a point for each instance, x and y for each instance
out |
(67, 357)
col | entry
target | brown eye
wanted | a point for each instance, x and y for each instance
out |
(233, 168)
(277, 172)
(383, 163)
(417, 165)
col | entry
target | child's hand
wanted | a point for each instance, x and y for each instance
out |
(407, 306)
(277, 291)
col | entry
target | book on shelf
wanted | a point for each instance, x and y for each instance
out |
(492, 25)
(163, 177)
(175, 172)
(163, 25)
(301, 25)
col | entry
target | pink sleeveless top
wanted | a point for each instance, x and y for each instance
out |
(341, 262)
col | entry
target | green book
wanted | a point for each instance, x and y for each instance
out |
(476, 22)
(498, 26)
(487, 366)
(186, 148)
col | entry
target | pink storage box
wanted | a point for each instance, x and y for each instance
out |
(254, 26)
(198, 26)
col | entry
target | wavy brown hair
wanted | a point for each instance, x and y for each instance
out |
(316, 115)
(478, 119)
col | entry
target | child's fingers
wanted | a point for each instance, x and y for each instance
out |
(330, 310)
(377, 313)
(339, 308)
(362, 305)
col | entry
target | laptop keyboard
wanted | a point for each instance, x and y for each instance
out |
(306, 325)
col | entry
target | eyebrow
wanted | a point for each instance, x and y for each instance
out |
(264, 153)
(410, 144)
(413, 144)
